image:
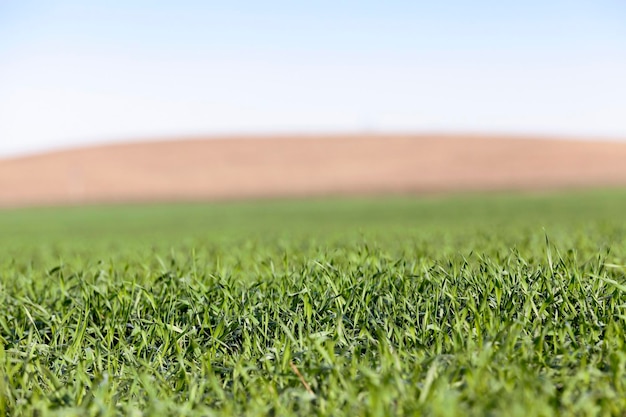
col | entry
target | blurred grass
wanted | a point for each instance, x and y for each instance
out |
(442, 225)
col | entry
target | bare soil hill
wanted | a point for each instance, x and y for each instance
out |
(233, 168)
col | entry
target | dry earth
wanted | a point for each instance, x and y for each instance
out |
(229, 168)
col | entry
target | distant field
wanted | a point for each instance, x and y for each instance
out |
(498, 304)
(305, 166)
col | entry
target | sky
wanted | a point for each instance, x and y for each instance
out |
(75, 73)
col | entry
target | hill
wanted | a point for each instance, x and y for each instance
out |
(235, 168)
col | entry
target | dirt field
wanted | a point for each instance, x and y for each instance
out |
(231, 168)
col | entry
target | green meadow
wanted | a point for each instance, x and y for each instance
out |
(466, 305)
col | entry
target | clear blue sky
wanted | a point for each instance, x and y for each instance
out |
(76, 72)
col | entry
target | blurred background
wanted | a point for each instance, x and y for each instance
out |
(388, 96)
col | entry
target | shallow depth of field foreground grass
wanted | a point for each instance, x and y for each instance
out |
(493, 305)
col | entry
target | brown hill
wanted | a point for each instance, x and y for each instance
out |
(300, 166)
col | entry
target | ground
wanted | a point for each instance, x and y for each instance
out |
(426, 303)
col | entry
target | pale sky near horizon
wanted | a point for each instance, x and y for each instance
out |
(75, 73)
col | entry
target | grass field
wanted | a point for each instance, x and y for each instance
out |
(510, 305)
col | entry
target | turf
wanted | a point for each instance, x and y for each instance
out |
(467, 305)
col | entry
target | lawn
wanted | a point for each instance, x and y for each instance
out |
(497, 304)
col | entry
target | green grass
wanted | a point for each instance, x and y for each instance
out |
(467, 305)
